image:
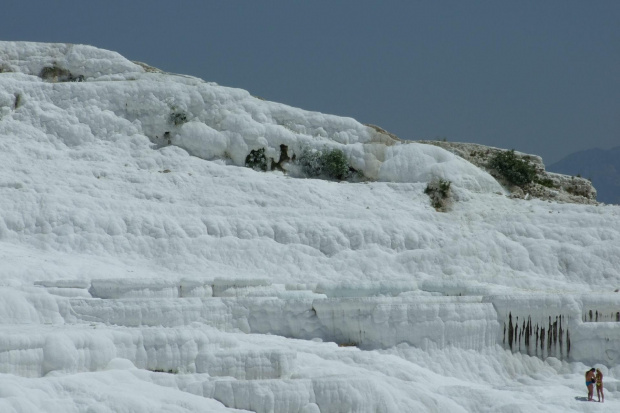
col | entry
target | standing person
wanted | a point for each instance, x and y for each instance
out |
(590, 380)
(599, 385)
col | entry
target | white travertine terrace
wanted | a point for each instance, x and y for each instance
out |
(144, 269)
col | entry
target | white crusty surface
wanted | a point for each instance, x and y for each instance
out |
(143, 268)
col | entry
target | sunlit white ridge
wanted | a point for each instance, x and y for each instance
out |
(144, 268)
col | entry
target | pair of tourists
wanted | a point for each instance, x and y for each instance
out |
(595, 376)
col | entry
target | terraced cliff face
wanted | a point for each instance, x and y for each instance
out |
(162, 248)
(555, 187)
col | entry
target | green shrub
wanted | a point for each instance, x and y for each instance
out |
(310, 162)
(439, 193)
(545, 182)
(332, 164)
(335, 164)
(514, 170)
(256, 160)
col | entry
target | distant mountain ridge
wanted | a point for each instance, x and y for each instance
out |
(599, 165)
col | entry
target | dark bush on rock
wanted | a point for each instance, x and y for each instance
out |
(177, 118)
(515, 170)
(439, 193)
(58, 74)
(256, 160)
(546, 182)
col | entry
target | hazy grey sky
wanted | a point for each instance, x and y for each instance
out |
(537, 76)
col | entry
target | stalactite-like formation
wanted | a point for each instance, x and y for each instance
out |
(561, 339)
(550, 338)
(596, 316)
(510, 330)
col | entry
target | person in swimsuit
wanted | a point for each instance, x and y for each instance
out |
(590, 380)
(599, 385)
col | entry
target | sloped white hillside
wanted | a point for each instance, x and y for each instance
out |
(142, 266)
